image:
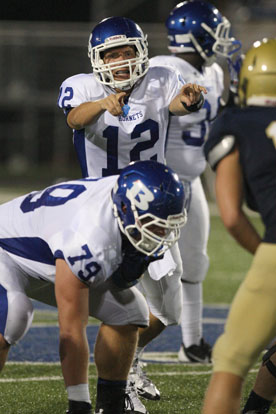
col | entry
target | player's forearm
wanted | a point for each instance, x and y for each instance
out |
(176, 107)
(244, 233)
(84, 114)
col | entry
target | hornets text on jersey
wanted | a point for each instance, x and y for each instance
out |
(112, 142)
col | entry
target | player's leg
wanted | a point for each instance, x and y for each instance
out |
(264, 390)
(195, 262)
(122, 312)
(223, 394)
(16, 310)
(164, 298)
(4, 350)
(249, 328)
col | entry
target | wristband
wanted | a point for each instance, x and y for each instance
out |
(195, 107)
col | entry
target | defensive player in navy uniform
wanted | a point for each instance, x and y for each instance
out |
(198, 35)
(82, 245)
(242, 150)
(120, 113)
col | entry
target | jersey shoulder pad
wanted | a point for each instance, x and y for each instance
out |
(220, 150)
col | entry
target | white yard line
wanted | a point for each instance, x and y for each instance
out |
(155, 374)
(215, 321)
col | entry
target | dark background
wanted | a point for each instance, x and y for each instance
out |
(44, 42)
(138, 10)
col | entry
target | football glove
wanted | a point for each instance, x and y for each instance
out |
(133, 265)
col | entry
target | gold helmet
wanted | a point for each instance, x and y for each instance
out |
(257, 80)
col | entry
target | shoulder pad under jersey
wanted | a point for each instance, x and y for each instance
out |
(220, 150)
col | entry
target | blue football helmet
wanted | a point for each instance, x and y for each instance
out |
(117, 32)
(148, 202)
(198, 26)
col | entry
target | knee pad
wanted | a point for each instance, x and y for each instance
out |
(267, 361)
(195, 270)
(16, 315)
(166, 305)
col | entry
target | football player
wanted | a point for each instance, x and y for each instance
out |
(198, 35)
(120, 113)
(82, 246)
(242, 150)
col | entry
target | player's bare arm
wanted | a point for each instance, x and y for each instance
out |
(72, 301)
(88, 112)
(190, 95)
(229, 196)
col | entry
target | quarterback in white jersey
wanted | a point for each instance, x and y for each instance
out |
(120, 113)
(197, 33)
(82, 245)
(106, 146)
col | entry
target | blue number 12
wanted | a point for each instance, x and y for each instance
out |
(111, 133)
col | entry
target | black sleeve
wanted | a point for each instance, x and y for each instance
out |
(133, 265)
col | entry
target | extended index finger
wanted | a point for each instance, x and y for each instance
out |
(120, 97)
(202, 89)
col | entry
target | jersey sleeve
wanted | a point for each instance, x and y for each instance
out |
(72, 93)
(175, 83)
(221, 140)
(78, 254)
(170, 81)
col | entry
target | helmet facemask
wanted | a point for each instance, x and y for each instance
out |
(224, 45)
(152, 235)
(149, 203)
(137, 66)
(213, 44)
(198, 26)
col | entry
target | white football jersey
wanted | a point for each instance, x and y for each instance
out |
(112, 142)
(187, 134)
(71, 220)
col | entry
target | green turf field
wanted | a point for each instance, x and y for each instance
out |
(228, 263)
(33, 389)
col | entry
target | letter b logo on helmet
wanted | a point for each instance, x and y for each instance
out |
(153, 192)
(140, 195)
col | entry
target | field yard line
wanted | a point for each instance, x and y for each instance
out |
(155, 374)
(206, 320)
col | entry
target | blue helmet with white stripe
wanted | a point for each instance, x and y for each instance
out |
(198, 26)
(148, 201)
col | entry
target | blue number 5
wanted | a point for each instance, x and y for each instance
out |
(198, 141)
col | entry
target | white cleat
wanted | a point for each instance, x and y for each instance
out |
(133, 404)
(144, 386)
